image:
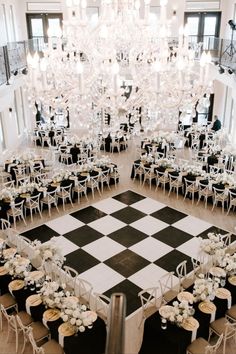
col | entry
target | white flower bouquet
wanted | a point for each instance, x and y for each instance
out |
(48, 251)
(77, 314)
(228, 262)
(52, 293)
(18, 267)
(60, 176)
(225, 178)
(180, 312)
(213, 245)
(204, 288)
(8, 193)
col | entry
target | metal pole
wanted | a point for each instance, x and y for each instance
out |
(116, 325)
(7, 64)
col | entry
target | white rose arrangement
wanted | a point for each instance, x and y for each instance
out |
(77, 314)
(204, 288)
(18, 267)
(213, 245)
(52, 293)
(60, 176)
(180, 312)
(228, 262)
(48, 251)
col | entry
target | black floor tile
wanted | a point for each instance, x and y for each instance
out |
(128, 215)
(42, 233)
(131, 292)
(127, 263)
(127, 236)
(170, 261)
(172, 236)
(83, 235)
(129, 197)
(214, 229)
(168, 215)
(88, 214)
(81, 260)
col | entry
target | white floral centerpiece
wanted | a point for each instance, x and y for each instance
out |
(204, 288)
(18, 267)
(180, 312)
(48, 251)
(225, 178)
(164, 163)
(193, 170)
(228, 262)
(77, 314)
(103, 161)
(52, 293)
(28, 187)
(60, 176)
(9, 193)
(213, 245)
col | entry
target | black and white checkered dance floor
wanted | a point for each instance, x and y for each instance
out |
(125, 243)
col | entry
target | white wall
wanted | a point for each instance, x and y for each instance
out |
(12, 138)
(8, 34)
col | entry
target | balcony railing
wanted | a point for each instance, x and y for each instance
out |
(13, 56)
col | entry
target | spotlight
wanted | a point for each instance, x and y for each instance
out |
(25, 71)
(232, 24)
(230, 71)
(221, 70)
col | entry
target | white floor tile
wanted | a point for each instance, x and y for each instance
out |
(65, 245)
(149, 225)
(148, 205)
(109, 205)
(148, 277)
(192, 225)
(64, 224)
(191, 247)
(151, 249)
(103, 248)
(107, 225)
(102, 277)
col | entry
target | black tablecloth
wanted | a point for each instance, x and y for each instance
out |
(92, 341)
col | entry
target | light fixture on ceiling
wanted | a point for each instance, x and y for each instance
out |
(92, 67)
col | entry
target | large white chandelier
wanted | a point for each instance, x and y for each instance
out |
(119, 65)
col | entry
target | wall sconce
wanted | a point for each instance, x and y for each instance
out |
(174, 14)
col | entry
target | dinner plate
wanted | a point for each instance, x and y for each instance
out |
(3, 271)
(207, 307)
(66, 329)
(232, 280)
(190, 324)
(92, 315)
(165, 310)
(217, 272)
(51, 315)
(223, 293)
(34, 300)
(185, 296)
(9, 252)
(36, 275)
(17, 284)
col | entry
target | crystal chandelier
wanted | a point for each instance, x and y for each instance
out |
(119, 65)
